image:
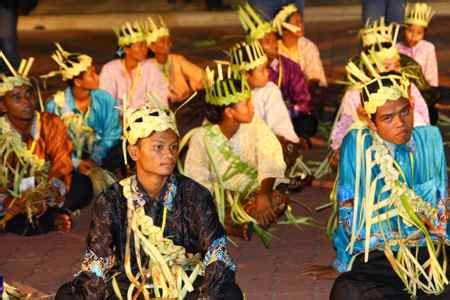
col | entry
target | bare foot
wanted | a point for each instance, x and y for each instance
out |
(321, 272)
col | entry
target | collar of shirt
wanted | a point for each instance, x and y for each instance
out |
(274, 64)
(167, 194)
(410, 146)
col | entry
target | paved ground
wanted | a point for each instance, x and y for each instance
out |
(42, 263)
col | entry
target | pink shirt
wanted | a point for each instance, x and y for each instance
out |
(145, 78)
(348, 114)
(424, 53)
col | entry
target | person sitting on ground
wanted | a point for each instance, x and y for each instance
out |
(288, 23)
(36, 182)
(156, 233)
(417, 17)
(285, 73)
(392, 198)
(236, 156)
(89, 113)
(378, 40)
(251, 61)
(132, 76)
(184, 77)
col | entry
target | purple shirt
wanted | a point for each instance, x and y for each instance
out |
(292, 83)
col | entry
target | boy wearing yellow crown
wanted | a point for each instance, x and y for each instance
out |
(88, 112)
(237, 157)
(36, 167)
(392, 196)
(417, 18)
(250, 59)
(155, 234)
(288, 23)
(283, 72)
(184, 77)
(132, 76)
(378, 41)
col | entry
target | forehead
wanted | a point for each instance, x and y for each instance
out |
(392, 106)
(166, 136)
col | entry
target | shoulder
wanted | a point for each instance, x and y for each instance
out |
(176, 57)
(189, 186)
(351, 139)
(305, 42)
(429, 46)
(103, 96)
(111, 66)
(428, 134)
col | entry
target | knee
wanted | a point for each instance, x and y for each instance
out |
(343, 289)
(233, 292)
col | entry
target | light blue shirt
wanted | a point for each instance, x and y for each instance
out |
(422, 161)
(103, 118)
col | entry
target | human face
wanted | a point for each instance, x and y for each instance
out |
(162, 46)
(413, 35)
(269, 43)
(258, 77)
(394, 121)
(89, 80)
(137, 51)
(156, 154)
(19, 104)
(296, 20)
(241, 112)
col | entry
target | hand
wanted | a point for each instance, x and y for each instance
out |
(264, 211)
(63, 222)
(85, 166)
(320, 272)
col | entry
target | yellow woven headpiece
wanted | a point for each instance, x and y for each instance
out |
(280, 21)
(70, 64)
(255, 26)
(366, 75)
(418, 14)
(129, 33)
(153, 31)
(377, 31)
(18, 77)
(221, 89)
(247, 56)
(143, 121)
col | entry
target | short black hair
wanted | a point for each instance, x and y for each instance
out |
(215, 113)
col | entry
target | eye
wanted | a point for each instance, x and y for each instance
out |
(158, 147)
(387, 119)
(174, 147)
(404, 112)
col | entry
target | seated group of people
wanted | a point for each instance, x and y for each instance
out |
(162, 232)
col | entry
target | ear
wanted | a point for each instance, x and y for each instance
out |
(77, 82)
(133, 150)
(2, 105)
(228, 112)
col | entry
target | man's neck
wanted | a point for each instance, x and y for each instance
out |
(130, 64)
(290, 41)
(82, 98)
(229, 127)
(22, 126)
(152, 183)
(162, 58)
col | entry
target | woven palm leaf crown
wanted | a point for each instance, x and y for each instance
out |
(280, 21)
(225, 88)
(143, 121)
(377, 31)
(418, 14)
(390, 86)
(247, 56)
(129, 33)
(255, 26)
(17, 77)
(155, 31)
(70, 64)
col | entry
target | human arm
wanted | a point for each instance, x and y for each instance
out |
(220, 269)
(431, 68)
